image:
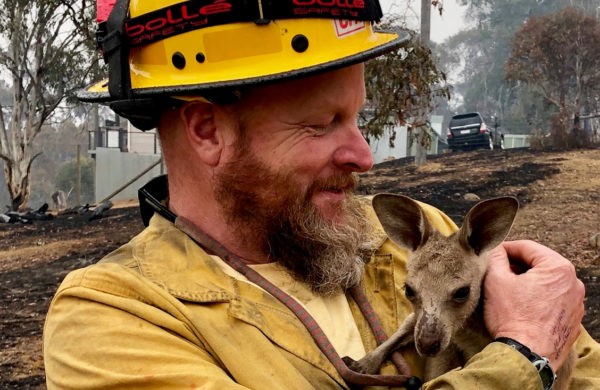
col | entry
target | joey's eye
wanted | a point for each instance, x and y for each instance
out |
(409, 292)
(461, 294)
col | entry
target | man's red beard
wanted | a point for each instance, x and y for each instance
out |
(267, 207)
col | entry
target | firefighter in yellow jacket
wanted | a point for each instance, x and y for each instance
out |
(259, 268)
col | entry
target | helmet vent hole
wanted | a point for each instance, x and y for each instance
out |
(178, 60)
(300, 43)
(200, 58)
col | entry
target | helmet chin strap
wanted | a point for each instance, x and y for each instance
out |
(115, 49)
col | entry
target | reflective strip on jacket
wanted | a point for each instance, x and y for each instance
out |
(158, 313)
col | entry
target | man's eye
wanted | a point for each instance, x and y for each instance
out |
(316, 131)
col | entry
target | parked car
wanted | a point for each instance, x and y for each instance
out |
(469, 131)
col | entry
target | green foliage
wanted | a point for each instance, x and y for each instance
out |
(66, 179)
(557, 56)
(47, 56)
(482, 51)
(51, 45)
(402, 88)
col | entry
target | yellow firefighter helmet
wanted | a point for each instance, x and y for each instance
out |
(158, 49)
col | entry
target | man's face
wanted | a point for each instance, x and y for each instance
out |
(288, 184)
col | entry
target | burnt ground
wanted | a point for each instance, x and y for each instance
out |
(559, 193)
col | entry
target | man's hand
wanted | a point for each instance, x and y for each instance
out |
(541, 306)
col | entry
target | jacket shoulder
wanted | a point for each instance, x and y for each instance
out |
(121, 267)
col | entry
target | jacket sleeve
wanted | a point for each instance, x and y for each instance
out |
(95, 339)
(496, 367)
(501, 367)
(586, 374)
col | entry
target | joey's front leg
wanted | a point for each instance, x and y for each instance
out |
(372, 361)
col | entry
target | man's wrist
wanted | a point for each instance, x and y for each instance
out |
(541, 363)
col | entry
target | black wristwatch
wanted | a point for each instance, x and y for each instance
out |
(539, 362)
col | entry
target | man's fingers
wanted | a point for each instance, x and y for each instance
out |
(498, 256)
(529, 254)
(499, 265)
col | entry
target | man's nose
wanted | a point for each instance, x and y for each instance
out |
(353, 153)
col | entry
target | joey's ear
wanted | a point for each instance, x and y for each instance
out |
(199, 120)
(402, 219)
(487, 224)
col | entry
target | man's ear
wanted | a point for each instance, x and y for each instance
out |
(201, 130)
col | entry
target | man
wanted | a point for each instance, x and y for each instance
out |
(260, 269)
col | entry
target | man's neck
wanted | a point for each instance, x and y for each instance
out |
(210, 220)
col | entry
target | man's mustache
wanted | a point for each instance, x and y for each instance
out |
(343, 182)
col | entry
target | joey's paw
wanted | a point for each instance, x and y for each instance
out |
(348, 361)
(362, 366)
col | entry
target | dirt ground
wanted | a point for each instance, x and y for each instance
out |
(559, 193)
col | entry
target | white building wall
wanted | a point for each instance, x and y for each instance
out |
(142, 142)
(516, 141)
(381, 150)
(115, 168)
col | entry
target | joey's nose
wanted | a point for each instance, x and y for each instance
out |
(429, 335)
(429, 346)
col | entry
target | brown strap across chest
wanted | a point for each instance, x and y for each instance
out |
(351, 377)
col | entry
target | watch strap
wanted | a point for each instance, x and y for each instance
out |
(541, 364)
